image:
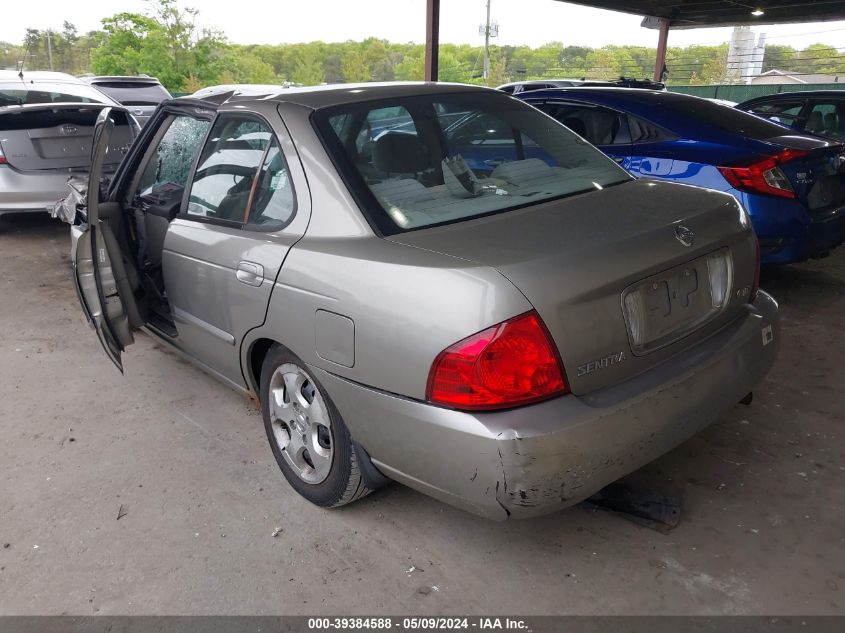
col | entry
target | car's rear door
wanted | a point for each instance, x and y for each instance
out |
(653, 153)
(100, 271)
(247, 204)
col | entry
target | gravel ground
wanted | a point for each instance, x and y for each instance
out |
(185, 463)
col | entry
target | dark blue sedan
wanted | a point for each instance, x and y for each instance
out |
(793, 186)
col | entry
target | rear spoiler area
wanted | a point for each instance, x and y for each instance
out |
(56, 105)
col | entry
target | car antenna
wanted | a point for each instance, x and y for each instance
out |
(23, 59)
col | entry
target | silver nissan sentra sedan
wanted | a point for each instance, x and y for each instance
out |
(428, 283)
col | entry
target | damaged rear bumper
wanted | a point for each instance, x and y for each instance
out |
(24, 192)
(537, 459)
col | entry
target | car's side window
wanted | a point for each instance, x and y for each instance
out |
(486, 140)
(643, 131)
(827, 119)
(166, 172)
(379, 122)
(274, 203)
(481, 129)
(600, 126)
(785, 113)
(241, 175)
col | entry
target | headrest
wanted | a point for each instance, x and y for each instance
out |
(815, 122)
(400, 153)
(576, 125)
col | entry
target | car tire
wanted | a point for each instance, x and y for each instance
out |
(309, 440)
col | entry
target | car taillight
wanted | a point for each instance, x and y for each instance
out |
(755, 285)
(764, 176)
(3, 160)
(510, 364)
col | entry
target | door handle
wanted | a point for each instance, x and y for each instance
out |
(250, 273)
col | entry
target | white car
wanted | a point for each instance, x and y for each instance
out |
(46, 131)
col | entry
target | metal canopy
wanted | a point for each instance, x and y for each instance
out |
(689, 14)
(676, 14)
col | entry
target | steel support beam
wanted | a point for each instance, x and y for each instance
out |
(432, 38)
(662, 38)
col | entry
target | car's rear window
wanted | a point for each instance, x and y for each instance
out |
(727, 119)
(422, 161)
(21, 93)
(130, 93)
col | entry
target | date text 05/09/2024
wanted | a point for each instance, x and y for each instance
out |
(418, 623)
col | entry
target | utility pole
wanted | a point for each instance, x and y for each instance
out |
(49, 49)
(487, 43)
(488, 30)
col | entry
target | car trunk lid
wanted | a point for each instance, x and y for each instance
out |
(817, 174)
(58, 137)
(610, 274)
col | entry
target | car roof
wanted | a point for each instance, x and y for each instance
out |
(41, 76)
(132, 79)
(799, 94)
(615, 93)
(240, 89)
(316, 97)
(522, 82)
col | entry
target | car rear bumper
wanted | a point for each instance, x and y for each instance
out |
(537, 459)
(788, 233)
(22, 192)
(823, 233)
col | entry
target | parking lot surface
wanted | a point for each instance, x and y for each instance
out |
(156, 492)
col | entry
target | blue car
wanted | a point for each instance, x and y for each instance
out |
(819, 112)
(792, 185)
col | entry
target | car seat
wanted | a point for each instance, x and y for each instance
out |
(815, 123)
(400, 153)
(576, 125)
(831, 123)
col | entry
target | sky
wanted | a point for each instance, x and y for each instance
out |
(531, 22)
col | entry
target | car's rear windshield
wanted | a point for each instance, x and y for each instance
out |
(724, 118)
(22, 93)
(129, 93)
(421, 161)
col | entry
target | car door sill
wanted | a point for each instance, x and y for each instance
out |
(190, 319)
(173, 346)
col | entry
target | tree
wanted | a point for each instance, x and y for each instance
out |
(715, 69)
(602, 64)
(308, 71)
(354, 66)
(777, 57)
(136, 44)
(449, 68)
(411, 68)
(178, 26)
(333, 68)
(819, 59)
(64, 48)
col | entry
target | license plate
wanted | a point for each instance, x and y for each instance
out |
(663, 308)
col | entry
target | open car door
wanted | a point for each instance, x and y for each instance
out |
(101, 270)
